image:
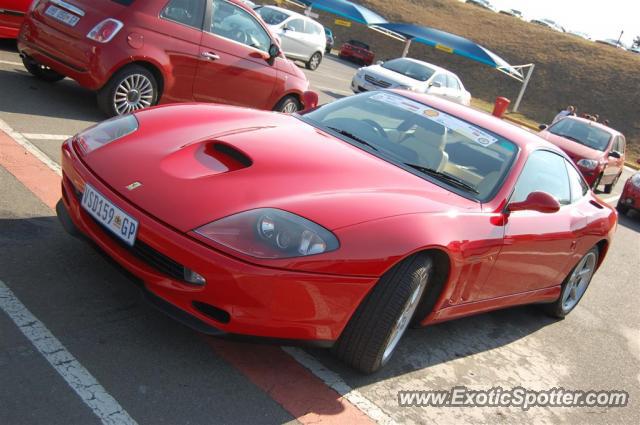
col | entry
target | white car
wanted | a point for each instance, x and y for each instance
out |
(301, 37)
(411, 74)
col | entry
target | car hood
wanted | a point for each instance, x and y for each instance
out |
(379, 72)
(574, 149)
(199, 163)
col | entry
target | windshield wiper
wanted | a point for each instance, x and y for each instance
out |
(353, 137)
(442, 176)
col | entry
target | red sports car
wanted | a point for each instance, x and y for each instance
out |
(630, 197)
(339, 226)
(357, 51)
(12, 14)
(597, 150)
(137, 53)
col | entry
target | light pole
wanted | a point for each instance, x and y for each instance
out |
(620, 38)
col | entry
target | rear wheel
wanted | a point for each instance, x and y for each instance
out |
(574, 286)
(130, 89)
(373, 333)
(622, 209)
(288, 105)
(40, 71)
(314, 61)
(608, 188)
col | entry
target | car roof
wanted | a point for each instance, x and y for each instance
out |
(430, 65)
(291, 13)
(596, 124)
(524, 139)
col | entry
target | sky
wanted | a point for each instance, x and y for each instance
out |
(598, 18)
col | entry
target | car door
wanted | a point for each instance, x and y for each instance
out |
(293, 38)
(234, 66)
(453, 88)
(614, 165)
(537, 247)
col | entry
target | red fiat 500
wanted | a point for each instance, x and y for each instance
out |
(357, 51)
(597, 150)
(136, 53)
(12, 14)
(339, 226)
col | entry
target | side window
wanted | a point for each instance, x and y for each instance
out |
(623, 145)
(186, 12)
(296, 24)
(452, 83)
(544, 172)
(578, 187)
(442, 79)
(234, 23)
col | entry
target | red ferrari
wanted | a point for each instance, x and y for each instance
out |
(137, 53)
(339, 226)
(12, 14)
(357, 51)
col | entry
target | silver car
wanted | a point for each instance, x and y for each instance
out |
(301, 37)
(414, 75)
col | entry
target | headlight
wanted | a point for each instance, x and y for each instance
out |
(106, 132)
(635, 180)
(270, 233)
(589, 164)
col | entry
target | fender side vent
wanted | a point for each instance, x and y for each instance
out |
(597, 205)
(215, 313)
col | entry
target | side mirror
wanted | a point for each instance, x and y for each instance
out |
(274, 51)
(536, 201)
(288, 28)
(614, 154)
(543, 127)
(309, 100)
(436, 84)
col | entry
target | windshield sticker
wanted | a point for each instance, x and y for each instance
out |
(447, 121)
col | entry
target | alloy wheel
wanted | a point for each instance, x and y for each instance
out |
(134, 92)
(578, 282)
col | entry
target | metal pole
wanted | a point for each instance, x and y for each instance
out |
(407, 44)
(524, 87)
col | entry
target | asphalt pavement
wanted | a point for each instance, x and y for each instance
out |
(159, 372)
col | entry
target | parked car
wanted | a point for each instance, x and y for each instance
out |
(485, 4)
(414, 75)
(137, 54)
(302, 38)
(635, 49)
(330, 40)
(512, 12)
(613, 43)
(597, 150)
(548, 23)
(357, 51)
(580, 34)
(630, 197)
(372, 212)
(12, 14)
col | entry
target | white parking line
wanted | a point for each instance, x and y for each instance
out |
(39, 136)
(103, 405)
(334, 381)
(611, 199)
(11, 63)
(30, 147)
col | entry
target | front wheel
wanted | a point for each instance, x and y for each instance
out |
(314, 61)
(288, 105)
(130, 89)
(596, 183)
(608, 188)
(574, 286)
(373, 333)
(40, 71)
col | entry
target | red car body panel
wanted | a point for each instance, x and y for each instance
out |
(356, 54)
(608, 167)
(241, 76)
(630, 196)
(12, 13)
(495, 260)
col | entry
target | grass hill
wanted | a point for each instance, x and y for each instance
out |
(597, 79)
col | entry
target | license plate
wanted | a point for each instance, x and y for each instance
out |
(62, 16)
(113, 218)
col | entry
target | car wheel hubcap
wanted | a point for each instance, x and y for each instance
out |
(578, 282)
(403, 321)
(290, 107)
(133, 93)
(315, 60)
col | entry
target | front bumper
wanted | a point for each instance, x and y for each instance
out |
(239, 297)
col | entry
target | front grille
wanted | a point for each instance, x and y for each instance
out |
(376, 82)
(144, 252)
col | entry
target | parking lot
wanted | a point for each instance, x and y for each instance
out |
(137, 365)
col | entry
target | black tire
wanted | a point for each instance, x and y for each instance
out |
(369, 332)
(622, 209)
(107, 94)
(42, 72)
(608, 188)
(288, 102)
(556, 309)
(314, 61)
(596, 183)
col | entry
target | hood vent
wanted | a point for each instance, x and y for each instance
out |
(230, 156)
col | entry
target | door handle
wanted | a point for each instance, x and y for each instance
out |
(210, 56)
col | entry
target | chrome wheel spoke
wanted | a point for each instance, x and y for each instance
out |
(134, 92)
(578, 282)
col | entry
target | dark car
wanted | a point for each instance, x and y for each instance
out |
(357, 51)
(330, 40)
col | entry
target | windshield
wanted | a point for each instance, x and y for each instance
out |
(427, 142)
(410, 69)
(359, 44)
(581, 132)
(271, 16)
